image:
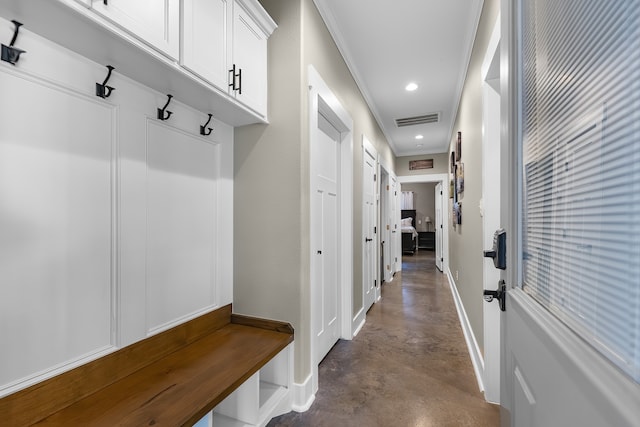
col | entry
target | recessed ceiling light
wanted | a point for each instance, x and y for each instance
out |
(411, 87)
(419, 136)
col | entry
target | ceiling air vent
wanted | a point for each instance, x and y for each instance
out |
(418, 120)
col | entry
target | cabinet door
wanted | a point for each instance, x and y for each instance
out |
(250, 56)
(156, 22)
(205, 39)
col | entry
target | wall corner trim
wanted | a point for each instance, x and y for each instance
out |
(302, 395)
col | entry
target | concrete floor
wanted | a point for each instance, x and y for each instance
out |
(408, 366)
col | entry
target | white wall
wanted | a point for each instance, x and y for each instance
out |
(465, 240)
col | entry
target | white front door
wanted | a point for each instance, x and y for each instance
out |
(491, 210)
(368, 225)
(438, 225)
(324, 217)
(571, 329)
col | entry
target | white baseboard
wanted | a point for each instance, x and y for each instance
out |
(359, 326)
(302, 395)
(469, 337)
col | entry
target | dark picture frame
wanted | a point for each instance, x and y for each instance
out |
(460, 178)
(459, 147)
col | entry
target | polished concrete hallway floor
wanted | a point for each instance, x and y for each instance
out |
(408, 366)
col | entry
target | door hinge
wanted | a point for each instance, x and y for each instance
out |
(375, 230)
(375, 283)
(375, 177)
(395, 193)
(441, 259)
(387, 188)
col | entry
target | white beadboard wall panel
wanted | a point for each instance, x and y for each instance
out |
(57, 226)
(74, 202)
(182, 177)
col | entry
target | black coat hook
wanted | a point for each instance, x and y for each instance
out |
(163, 113)
(203, 129)
(102, 90)
(11, 54)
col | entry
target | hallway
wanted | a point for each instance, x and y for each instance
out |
(408, 366)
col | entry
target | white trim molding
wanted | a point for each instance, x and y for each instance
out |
(469, 337)
(302, 395)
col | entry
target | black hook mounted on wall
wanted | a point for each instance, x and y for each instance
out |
(204, 130)
(163, 113)
(102, 90)
(11, 54)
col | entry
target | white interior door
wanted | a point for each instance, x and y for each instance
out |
(491, 210)
(438, 225)
(394, 220)
(571, 354)
(368, 226)
(385, 227)
(324, 224)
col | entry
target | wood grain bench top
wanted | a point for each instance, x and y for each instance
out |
(182, 386)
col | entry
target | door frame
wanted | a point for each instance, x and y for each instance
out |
(490, 72)
(442, 178)
(323, 101)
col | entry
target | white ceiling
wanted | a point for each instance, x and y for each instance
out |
(388, 44)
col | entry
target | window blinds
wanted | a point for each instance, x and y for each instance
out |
(406, 200)
(580, 106)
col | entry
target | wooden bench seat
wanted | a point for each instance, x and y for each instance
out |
(176, 389)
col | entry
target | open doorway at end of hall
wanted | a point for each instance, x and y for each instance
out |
(422, 206)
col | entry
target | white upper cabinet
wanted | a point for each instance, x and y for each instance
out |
(250, 61)
(205, 38)
(157, 22)
(189, 48)
(225, 43)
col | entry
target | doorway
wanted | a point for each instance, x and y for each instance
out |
(325, 228)
(440, 201)
(330, 224)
